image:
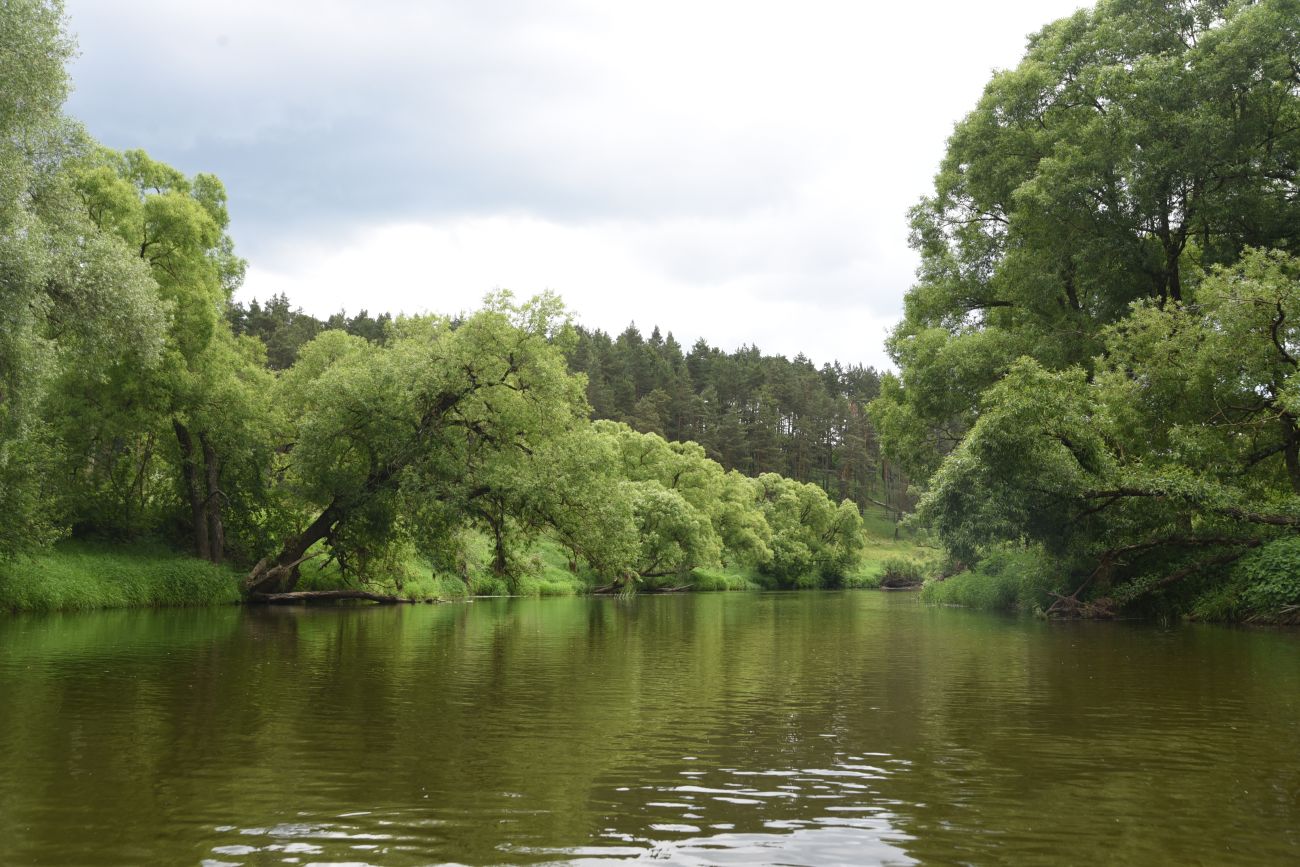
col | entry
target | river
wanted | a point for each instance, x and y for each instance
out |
(745, 728)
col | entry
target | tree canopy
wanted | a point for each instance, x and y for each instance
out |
(1095, 357)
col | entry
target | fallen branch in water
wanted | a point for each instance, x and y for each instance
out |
(326, 596)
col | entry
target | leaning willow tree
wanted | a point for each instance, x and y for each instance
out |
(398, 442)
(1098, 359)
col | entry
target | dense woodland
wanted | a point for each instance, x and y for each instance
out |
(751, 412)
(1097, 366)
(138, 402)
(1096, 395)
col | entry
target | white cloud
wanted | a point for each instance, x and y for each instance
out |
(736, 170)
(609, 274)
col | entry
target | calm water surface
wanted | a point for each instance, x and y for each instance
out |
(817, 728)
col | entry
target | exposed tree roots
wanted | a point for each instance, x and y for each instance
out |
(1071, 607)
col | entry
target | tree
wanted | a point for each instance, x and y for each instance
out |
(812, 538)
(70, 291)
(1135, 146)
(177, 227)
(1167, 465)
(282, 329)
(395, 441)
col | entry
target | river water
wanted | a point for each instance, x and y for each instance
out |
(800, 728)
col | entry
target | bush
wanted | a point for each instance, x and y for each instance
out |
(974, 590)
(1262, 586)
(901, 572)
(723, 579)
(1006, 578)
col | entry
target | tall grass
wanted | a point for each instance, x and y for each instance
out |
(1006, 579)
(83, 575)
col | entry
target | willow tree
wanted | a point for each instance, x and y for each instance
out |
(198, 406)
(814, 541)
(68, 291)
(1176, 459)
(1136, 145)
(396, 442)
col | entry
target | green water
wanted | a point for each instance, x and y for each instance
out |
(818, 728)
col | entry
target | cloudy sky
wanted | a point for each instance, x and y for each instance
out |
(739, 171)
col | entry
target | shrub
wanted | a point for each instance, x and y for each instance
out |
(1005, 578)
(1262, 586)
(901, 572)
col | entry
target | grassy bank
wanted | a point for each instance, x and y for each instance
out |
(542, 571)
(1006, 580)
(82, 575)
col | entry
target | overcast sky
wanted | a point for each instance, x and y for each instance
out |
(739, 171)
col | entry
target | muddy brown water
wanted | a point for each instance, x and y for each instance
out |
(798, 728)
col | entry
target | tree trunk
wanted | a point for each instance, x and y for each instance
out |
(212, 502)
(1173, 279)
(500, 564)
(1291, 451)
(303, 596)
(279, 574)
(190, 473)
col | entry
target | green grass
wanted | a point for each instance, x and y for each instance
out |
(879, 526)
(1008, 579)
(83, 575)
(728, 578)
(542, 571)
(880, 549)
(974, 590)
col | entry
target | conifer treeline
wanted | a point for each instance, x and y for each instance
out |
(751, 412)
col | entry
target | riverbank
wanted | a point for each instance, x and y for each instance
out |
(1261, 588)
(79, 575)
(544, 571)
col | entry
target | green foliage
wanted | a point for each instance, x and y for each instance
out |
(79, 575)
(634, 506)
(749, 412)
(813, 540)
(70, 291)
(1272, 578)
(1007, 578)
(1034, 450)
(1264, 586)
(137, 401)
(1158, 454)
(989, 592)
(705, 580)
(285, 330)
(1070, 192)
(543, 571)
(183, 440)
(406, 441)
(901, 572)
(1098, 360)
(752, 412)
